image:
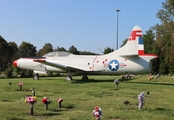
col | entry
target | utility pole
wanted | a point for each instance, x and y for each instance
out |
(117, 29)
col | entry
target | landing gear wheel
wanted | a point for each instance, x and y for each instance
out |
(85, 78)
(36, 76)
(69, 77)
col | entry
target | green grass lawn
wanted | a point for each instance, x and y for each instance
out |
(80, 98)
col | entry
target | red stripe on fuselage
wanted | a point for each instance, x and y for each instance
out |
(39, 60)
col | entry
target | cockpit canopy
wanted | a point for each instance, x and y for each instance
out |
(57, 54)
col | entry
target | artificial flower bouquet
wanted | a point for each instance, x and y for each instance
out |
(46, 100)
(30, 100)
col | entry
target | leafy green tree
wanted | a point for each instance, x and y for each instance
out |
(12, 71)
(73, 50)
(13, 50)
(108, 50)
(86, 53)
(8, 72)
(165, 36)
(60, 49)
(163, 68)
(156, 62)
(27, 50)
(39, 53)
(46, 49)
(4, 54)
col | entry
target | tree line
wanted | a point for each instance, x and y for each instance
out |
(159, 39)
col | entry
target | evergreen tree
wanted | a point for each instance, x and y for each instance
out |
(165, 36)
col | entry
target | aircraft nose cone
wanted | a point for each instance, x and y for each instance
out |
(15, 63)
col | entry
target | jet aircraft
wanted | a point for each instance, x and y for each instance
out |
(129, 59)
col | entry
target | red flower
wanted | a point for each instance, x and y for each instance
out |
(46, 100)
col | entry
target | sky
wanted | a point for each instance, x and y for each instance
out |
(89, 25)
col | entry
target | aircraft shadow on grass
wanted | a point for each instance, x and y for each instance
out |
(78, 81)
(153, 83)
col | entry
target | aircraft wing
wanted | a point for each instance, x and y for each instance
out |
(57, 65)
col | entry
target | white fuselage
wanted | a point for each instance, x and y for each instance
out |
(90, 64)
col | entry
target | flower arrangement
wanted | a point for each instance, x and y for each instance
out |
(116, 82)
(97, 112)
(30, 100)
(141, 100)
(20, 84)
(60, 100)
(46, 100)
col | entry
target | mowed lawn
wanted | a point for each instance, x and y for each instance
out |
(80, 98)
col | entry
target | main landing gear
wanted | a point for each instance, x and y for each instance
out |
(69, 77)
(84, 77)
(36, 76)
